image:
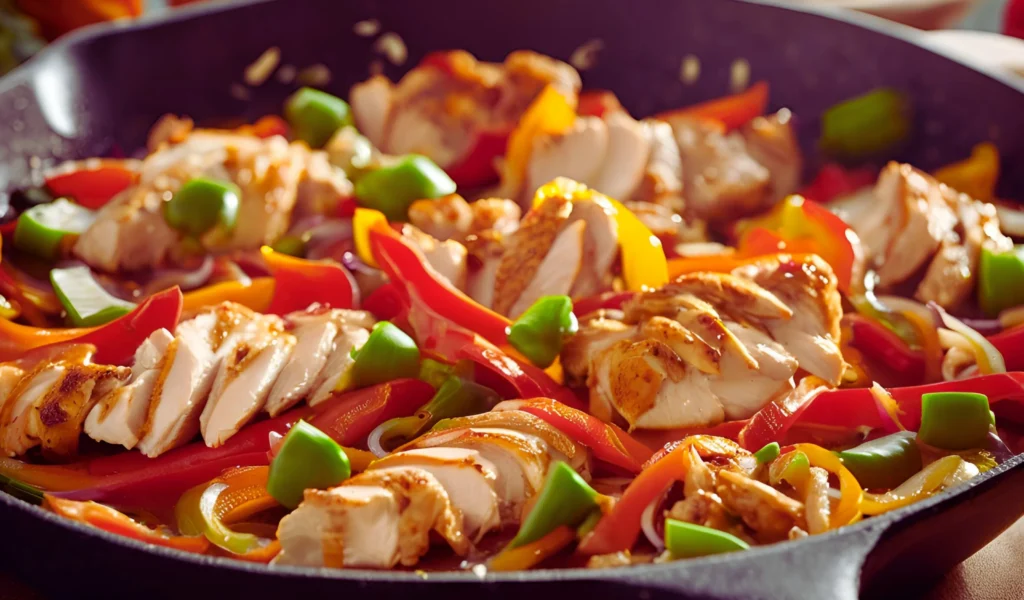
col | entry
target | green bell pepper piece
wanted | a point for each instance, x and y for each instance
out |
(308, 459)
(391, 189)
(455, 397)
(796, 470)
(955, 420)
(41, 228)
(315, 115)
(686, 540)
(565, 500)
(866, 126)
(202, 204)
(436, 373)
(388, 354)
(539, 332)
(884, 463)
(1001, 280)
(84, 299)
(767, 454)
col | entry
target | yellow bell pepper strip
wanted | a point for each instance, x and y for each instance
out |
(976, 175)
(999, 280)
(308, 459)
(866, 126)
(539, 332)
(407, 267)
(955, 420)
(922, 485)
(851, 494)
(565, 500)
(255, 295)
(687, 540)
(197, 514)
(110, 520)
(298, 283)
(529, 555)
(793, 468)
(732, 111)
(550, 113)
(644, 265)
(115, 341)
(799, 225)
(92, 183)
(364, 220)
(885, 462)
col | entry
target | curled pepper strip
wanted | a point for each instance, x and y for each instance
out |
(110, 520)
(607, 441)
(115, 341)
(644, 265)
(851, 495)
(92, 183)
(920, 486)
(529, 555)
(255, 295)
(732, 111)
(239, 493)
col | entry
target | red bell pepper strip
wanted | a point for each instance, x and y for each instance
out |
(386, 302)
(350, 417)
(607, 441)
(834, 181)
(772, 422)
(477, 167)
(406, 266)
(1010, 344)
(115, 342)
(881, 344)
(299, 282)
(798, 225)
(857, 408)
(527, 380)
(92, 183)
(598, 103)
(732, 111)
(607, 300)
(110, 520)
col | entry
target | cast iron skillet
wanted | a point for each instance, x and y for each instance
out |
(98, 92)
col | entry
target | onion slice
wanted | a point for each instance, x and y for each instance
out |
(989, 359)
(647, 522)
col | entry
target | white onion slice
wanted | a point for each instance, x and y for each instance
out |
(647, 523)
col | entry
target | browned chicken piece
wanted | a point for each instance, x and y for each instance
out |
(279, 181)
(527, 248)
(768, 512)
(578, 154)
(561, 267)
(710, 346)
(448, 258)
(438, 108)
(817, 504)
(47, 405)
(452, 218)
(600, 246)
(806, 284)
(772, 142)
(721, 181)
(662, 182)
(169, 129)
(952, 275)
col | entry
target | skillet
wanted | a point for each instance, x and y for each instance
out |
(98, 91)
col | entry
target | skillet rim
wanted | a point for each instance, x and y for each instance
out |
(873, 528)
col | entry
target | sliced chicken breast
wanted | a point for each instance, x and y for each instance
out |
(578, 154)
(555, 274)
(314, 343)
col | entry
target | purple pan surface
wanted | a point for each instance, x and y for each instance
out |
(97, 93)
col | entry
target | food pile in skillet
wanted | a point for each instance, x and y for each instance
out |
(477, 318)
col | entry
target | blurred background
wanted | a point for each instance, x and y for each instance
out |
(972, 26)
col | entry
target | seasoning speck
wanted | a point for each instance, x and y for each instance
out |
(263, 67)
(689, 70)
(367, 28)
(286, 74)
(739, 75)
(239, 92)
(392, 47)
(317, 75)
(585, 57)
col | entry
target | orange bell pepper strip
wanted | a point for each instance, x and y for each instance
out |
(92, 183)
(110, 520)
(529, 555)
(976, 175)
(265, 127)
(607, 441)
(406, 266)
(803, 226)
(115, 341)
(732, 111)
(644, 265)
(299, 282)
(255, 295)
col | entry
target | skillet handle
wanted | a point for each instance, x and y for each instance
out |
(826, 566)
